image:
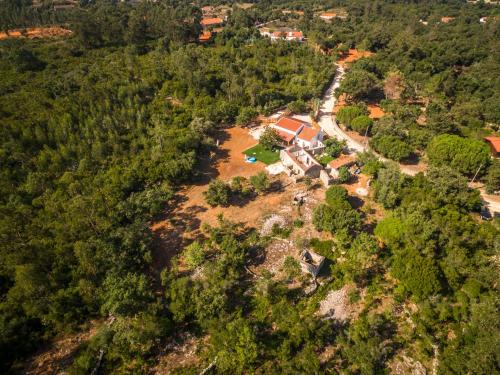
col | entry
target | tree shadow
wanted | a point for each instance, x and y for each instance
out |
(355, 201)
(413, 159)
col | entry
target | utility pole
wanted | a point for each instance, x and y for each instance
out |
(473, 178)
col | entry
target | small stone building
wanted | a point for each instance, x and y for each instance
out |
(297, 161)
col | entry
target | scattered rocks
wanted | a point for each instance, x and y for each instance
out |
(335, 305)
(405, 365)
(270, 222)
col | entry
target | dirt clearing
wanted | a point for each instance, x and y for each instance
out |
(36, 32)
(353, 55)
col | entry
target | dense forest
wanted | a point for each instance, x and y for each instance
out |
(99, 130)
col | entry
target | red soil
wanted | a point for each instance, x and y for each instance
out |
(36, 32)
(353, 55)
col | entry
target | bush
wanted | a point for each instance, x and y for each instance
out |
(346, 114)
(218, 193)
(335, 194)
(194, 255)
(391, 146)
(370, 163)
(335, 218)
(334, 147)
(260, 182)
(291, 267)
(344, 175)
(362, 124)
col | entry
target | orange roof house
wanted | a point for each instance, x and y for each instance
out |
(290, 125)
(205, 22)
(308, 134)
(494, 143)
(205, 36)
(327, 15)
(447, 19)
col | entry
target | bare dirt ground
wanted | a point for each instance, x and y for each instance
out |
(182, 351)
(180, 223)
(36, 32)
(56, 357)
(353, 55)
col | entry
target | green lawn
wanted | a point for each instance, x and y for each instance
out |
(263, 155)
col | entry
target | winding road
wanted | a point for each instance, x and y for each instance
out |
(329, 125)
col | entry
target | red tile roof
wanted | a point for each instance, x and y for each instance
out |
(328, 14)
(495, 142)
(211, 21)
(290, 124)
(205, 36)
(342, 160)
(296, 34)
(307, 134)
(287, 137)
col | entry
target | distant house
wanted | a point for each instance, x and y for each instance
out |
(296, 36)
(298, 12)
(483, 19)
(288, 128)
(309, 138)
(299, 162)
(447, 19)
(211, 22)
(327, 16)
(296, 132)
(293, 36)
(494, 143)
(331, 172)
(205, 37)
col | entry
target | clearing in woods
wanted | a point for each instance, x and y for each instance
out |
(36, 32)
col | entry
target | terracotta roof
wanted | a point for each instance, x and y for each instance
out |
(211, 21)
(295, 34)
(287, 137)
(495, 142)
(290, 124)
(205, 36)
(308, 133)
(277, 34)
(341, 161)
(328, 14)
(447, 19)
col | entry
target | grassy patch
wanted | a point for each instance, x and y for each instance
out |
(325, 159)
(263, 155)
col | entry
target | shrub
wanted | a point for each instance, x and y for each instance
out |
(344, 175)
(335, 194)
(362, 124)
(335, 218)
(260, 182)
(218, 193)
(194, 255)
(391, 146)
(334, 147)
(291, 267)
(346, 114)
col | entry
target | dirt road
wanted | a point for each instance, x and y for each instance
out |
(329, 125)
